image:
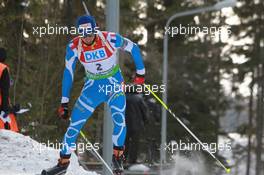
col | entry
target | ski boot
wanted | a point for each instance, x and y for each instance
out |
(118, 160)
(59, 169)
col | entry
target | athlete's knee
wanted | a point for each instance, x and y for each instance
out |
(74, 128)
(72, 132)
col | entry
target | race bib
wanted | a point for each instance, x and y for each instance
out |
(95, 55)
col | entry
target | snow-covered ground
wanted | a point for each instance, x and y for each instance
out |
(20, 155)
(139, 167)
(237, 158)
(194, 163)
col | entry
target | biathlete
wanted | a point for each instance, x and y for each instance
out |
(96, 51)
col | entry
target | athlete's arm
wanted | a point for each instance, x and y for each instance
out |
(68, 75)
(132, 48)
(5, 85)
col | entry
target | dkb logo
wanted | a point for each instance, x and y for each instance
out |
(98, 54)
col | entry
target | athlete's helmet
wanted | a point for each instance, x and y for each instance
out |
(86, 25)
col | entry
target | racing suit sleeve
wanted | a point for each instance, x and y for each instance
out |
(5, 85)
(127, 45)
(68, 74)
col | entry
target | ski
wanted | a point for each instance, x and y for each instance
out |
(16, 109)
(118, 170)
(117, 164)
(21, 111)
(119, 173)
(56, 170)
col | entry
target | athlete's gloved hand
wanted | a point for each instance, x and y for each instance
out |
(4, 116)
(63, 111)
(139, 79)
(14, 109)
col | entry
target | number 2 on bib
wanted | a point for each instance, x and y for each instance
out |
(99, 67)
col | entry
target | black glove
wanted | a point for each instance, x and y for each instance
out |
(63, 111)
(15, 108)
(4, 117)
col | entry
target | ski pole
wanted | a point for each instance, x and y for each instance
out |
(21, 111)
(97, 154)
(85, 8)
(179, 120)
(100, 34)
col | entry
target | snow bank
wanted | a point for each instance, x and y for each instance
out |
(192, 165)
(20, 155)
(237, 158)
(139, 167)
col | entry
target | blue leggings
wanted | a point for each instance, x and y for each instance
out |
(93, 94)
